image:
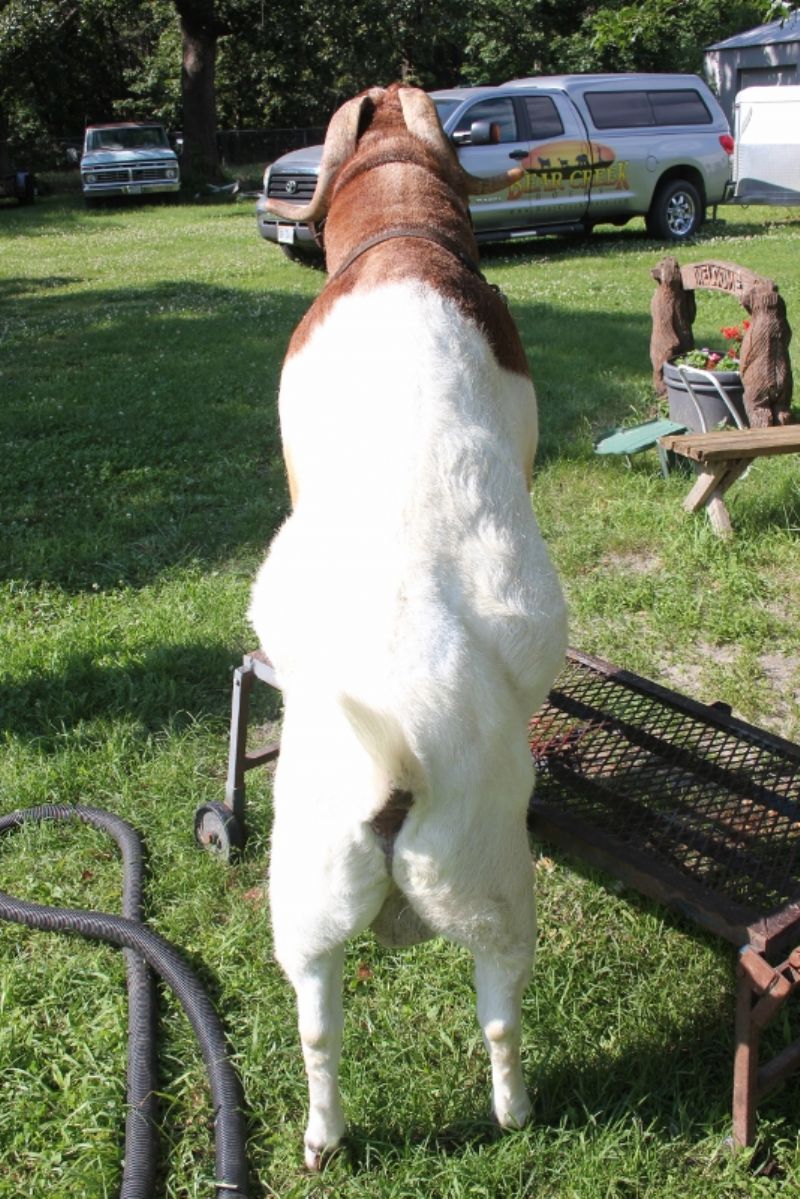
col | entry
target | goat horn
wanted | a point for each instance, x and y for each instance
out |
(340, 144)
(477, 186)
(422, 120)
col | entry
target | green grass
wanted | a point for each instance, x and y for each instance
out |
(139, 357)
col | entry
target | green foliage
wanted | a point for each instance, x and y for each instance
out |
(62, 63)
(657, 35)
(151, 77)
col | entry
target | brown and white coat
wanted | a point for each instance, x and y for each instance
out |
(408, 603)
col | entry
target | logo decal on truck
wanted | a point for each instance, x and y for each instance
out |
(569, 166)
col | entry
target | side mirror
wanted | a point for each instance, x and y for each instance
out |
(484, 133)
(480, 133)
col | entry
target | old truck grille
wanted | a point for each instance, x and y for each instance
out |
(149, 173)
(286, 185)
(690, 805)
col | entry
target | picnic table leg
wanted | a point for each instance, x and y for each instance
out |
(709, 490)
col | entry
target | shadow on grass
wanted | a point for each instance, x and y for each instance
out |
(609, 240)
(680, 1088)
(139, 429)
(140, 425)
(167, 683)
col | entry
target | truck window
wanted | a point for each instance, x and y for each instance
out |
(684, 107)
(619, 110)
(638, 109)
(543, 117)
(498, 112)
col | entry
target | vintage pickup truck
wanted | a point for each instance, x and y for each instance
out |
(128, 158)
(596, 149)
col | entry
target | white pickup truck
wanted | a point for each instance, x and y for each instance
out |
(128, 158)
(596, 149)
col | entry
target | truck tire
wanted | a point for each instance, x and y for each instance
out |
(677, 211)
(312, 258)
(26, 188)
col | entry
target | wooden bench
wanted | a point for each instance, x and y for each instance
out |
(721, 458)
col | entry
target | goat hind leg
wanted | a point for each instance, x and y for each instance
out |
(499, 983)
(318, 987)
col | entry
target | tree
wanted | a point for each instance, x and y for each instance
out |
(657, 35)
(202, 25)
(64, 63)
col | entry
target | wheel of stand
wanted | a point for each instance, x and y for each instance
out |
(218, 831)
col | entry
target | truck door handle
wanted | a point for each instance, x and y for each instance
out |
(518, 154)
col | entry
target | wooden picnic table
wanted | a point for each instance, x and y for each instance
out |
(721, 458)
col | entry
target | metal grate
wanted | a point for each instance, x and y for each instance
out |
(694, 807)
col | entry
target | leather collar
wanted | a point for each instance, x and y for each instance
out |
(417, 231)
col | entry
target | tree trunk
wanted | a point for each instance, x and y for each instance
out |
(5, 163)
(200, 157)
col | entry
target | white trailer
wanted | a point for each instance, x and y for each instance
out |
(766, 163)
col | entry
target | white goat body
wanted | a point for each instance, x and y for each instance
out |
(415, 623)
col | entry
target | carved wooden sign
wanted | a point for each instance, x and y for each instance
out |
(738, 281)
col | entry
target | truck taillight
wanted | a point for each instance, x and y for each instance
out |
(727, 142)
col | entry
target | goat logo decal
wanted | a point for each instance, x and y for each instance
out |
(566, 166)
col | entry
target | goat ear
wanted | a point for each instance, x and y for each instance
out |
(340, 145)
(423, 121)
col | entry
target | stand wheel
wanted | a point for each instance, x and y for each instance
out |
(218, 831)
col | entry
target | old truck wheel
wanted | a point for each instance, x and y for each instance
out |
(218, 831)
(312, 258)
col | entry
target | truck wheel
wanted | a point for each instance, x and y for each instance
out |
(312, 258)
(676, 212)
(27, 191)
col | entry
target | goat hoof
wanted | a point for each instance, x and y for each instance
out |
(316, 1157)
(515, 1115)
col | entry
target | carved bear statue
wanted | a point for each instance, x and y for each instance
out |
(764, 358)
(674, 309)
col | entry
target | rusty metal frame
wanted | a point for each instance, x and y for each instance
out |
(571, 765)
(577, 778)
(255, 667)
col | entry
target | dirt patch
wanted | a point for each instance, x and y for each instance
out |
(635, 562)
(782, 674)
(689, 677)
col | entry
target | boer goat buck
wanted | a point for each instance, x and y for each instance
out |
(408, 603)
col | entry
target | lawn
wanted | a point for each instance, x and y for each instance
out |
(139, 358)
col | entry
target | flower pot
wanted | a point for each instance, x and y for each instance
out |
(695, 399)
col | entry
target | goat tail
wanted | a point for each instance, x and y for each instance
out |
(381, 735)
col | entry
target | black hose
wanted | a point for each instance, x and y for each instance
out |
(142, 945)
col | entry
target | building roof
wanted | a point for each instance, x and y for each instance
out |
(786, 30)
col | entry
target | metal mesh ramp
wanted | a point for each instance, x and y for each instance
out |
(689, 805)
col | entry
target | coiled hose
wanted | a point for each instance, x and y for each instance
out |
(145, 952)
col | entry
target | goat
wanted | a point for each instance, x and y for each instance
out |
(408, 602)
